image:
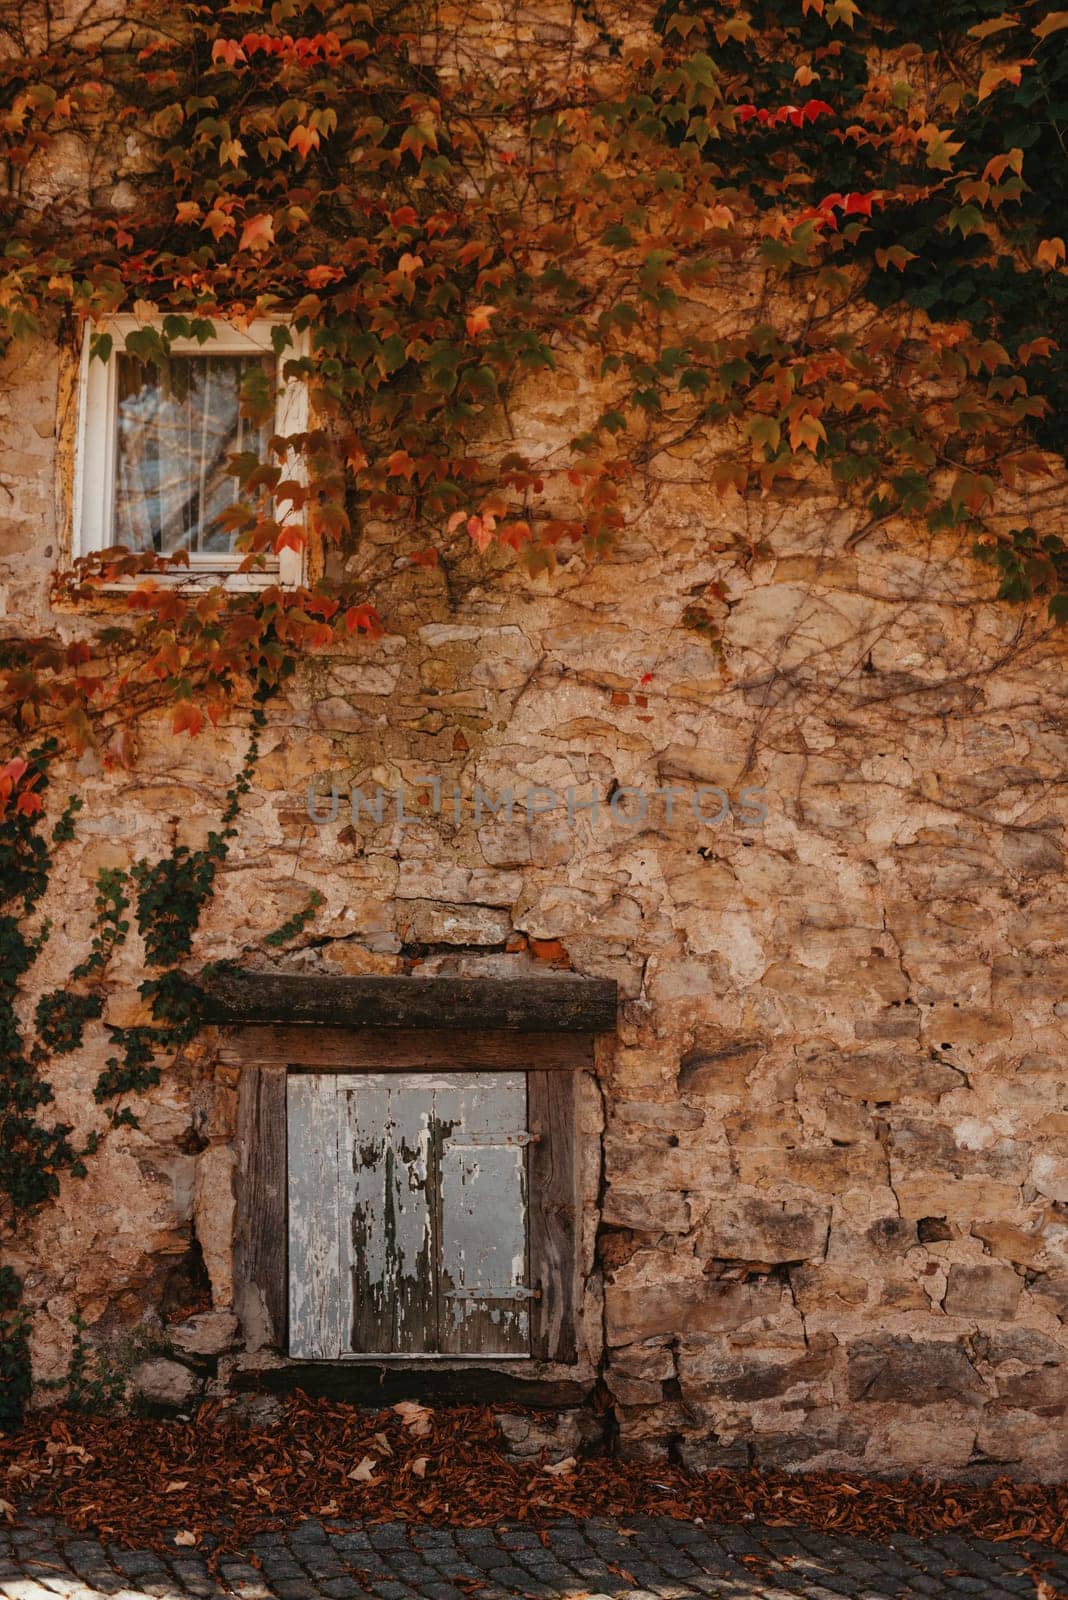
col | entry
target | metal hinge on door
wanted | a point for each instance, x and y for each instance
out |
(515, 1291)
(473, 1140)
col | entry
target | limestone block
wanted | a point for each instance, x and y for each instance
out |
(1031, 1450)
(823, 1288)
(539, 843)
(722, 1070)
(648, 1209)
(668, 1116)
(983, 1290)
(633, 1391)
(651, 1360)
(558, 1436)
(213, 1218)
(661, 1161)
(829, 1169)
(209, 1333)
(1030, 854)
(706, 1372)
(1050, 1290)
(433, 922)
(825, 1433)
(440, 880)
(912, 1373)
(960, 1199)
(1023, 1345)
(166, 1384)
(938, 1440)
(764, 1230)
(890, 1077)
(1049, 1173)
(642, 1302)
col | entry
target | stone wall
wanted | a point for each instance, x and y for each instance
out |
(825, 1216)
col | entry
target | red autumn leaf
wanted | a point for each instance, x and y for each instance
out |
(365, 618)
(228, 50)
(514, 533)
(12, 772)
(400, 465)
(481, 530)
(186, 719)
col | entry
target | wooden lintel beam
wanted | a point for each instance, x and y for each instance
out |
(556, 1003)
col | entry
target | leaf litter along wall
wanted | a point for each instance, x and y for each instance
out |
(822, 1224)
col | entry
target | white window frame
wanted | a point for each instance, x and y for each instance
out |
(94, 467)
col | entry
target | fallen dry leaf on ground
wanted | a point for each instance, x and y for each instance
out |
(244, 1479)
(416, 1418)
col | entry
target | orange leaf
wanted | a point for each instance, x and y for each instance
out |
(303, 140)
(806, 432)
(478, 320)
(258, 233)
(994, 77)
(1051, 24)
(186, 719)
(1050, 252)
(319, 277)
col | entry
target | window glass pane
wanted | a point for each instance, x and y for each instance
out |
(176, 425)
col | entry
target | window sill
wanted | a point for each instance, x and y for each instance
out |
(199, 582)
(111, 597)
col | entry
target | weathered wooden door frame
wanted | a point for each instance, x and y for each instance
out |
(266, 1055)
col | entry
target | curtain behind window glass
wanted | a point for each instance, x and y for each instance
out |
(177, 423)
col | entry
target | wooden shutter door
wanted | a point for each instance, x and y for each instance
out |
(483, 1280)
(408, 1214)
(314, 1287)
(387, 1244)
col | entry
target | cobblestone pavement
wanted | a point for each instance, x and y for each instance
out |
(648, 1558)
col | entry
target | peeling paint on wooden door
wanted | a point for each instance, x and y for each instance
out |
(408, 1214)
